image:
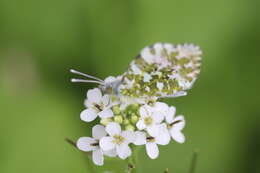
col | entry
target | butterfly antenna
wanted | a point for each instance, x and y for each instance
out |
(86, 75)
(86, 81)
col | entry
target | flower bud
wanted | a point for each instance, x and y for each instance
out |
(135, 106)
(113, 98)
(134, 118)
(116, 109)
(105, 121)
(130, 127)
(126, 122)
(118, 119)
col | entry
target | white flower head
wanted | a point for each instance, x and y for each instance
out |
(151, 142)
(97, 105)
(117, 140)
(175, 125)
(149, 120)
(88, 144)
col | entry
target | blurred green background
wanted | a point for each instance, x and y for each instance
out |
(41, 40)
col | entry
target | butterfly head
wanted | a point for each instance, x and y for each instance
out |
(109, 85)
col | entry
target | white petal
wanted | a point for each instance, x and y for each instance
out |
(88, 104)
(129, 136)
(123, 151)
(158, 117)
(160, 106)
(84, 144)
(106, 143)
(113, 129)
(106, 113)
(88, 115)
(98, 131)
(180, 125)
(170, 114)
(97, 157)
(110, 153)
(140, 138)
(177, 135)
(140, 124)
(144, 111)
(94, 95)
(106, 99)
(153, 130)
(164, 137)
(152, 150)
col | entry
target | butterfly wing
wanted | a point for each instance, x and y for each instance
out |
(162, 70)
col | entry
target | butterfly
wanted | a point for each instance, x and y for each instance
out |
(160, 70)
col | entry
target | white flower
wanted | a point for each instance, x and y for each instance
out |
(118, 140)
(92, 144)
(149, 120)
(97, 105)
(150, 142)
(175, 125)
(160, 107)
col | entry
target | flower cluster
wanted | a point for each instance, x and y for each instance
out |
(128, 106)
(123, 122)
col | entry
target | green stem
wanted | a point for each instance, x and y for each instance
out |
(132, 167)
(193, 162)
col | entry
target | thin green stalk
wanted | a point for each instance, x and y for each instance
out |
(132, 167)
(194, 161)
